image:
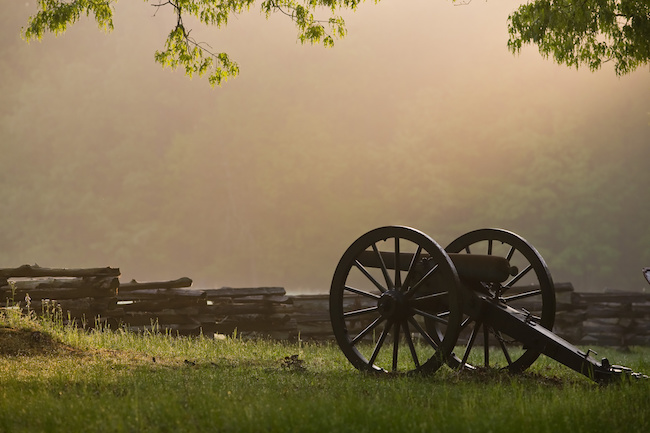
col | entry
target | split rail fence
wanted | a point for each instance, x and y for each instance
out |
(96, 297)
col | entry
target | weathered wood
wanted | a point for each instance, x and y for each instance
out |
(58, 293)
(79, 304)
(100, 283)
(615, 297)
(322, 316)
(602, 326)
(638, 340)
(641, 308)
(607, 310)
(246, 291)
(619, 318)
(558, 288)
(239, 309)
(138, 318)
(314, 329)
(260, 326)
(154, 305)
(263, 299)
(156, 294)
(35, 271)
(113, 312)
(61, 288)
(572, 317)
(604, 340)
(172, 284)
(250, 318)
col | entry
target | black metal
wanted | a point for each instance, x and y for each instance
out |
(516, 324)
(527, 269)
(372, 303)
(443, 293)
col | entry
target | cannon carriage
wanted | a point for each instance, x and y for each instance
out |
(400, 303)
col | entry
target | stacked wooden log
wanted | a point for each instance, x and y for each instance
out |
(171, 306)
(313, 319)
(95, 296)
(260, 311)
(82, 295)
(311, 313)
(160, 305)
(606, 319)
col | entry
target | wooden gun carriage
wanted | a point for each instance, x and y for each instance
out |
(400, 303)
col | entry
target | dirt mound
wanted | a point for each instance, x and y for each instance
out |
(27, 342)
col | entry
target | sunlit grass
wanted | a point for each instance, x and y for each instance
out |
(115, 381)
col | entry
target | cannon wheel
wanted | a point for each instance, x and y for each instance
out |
(529, 289)
(378, 311)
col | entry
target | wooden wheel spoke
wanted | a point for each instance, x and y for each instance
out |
(365, 272)
(361, 292)
(409, 340)
(531, 282)
(411, 291)
(398, 276)
(365, 332)
(470, 344)
(433, 317)
(518, 277)
(430, 297)
(522, 295)
(465, 322)
(414, 260)
(435, 302)
(384, 269)
(384, 289)
(423, 333)
(502, 344)
(396, 329)
(380, 343)
(486, 345)
(360, 312)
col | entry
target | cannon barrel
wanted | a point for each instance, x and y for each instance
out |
(476, 267)
(425, 296)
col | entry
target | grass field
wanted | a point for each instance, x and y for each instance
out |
(55, 379)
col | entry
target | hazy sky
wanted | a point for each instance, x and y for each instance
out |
(287, 154)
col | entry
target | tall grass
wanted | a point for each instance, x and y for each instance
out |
(115, 381)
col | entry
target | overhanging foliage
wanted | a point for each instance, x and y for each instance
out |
(572, 32)
(182, 50)
(585, 32)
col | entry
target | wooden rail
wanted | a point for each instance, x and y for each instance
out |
(96, 296)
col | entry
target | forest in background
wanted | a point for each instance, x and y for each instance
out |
(419, 119)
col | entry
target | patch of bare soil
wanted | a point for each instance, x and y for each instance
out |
(26, 342)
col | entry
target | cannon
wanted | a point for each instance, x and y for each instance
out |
(400, 303)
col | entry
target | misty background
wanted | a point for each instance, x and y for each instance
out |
(420, 117)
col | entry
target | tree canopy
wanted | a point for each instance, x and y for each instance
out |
(585, 32)
(573, 32)
(181, 49)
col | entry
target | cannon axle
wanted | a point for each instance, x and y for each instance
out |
(400, 303)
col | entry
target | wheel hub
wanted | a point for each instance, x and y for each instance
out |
(392, 305)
